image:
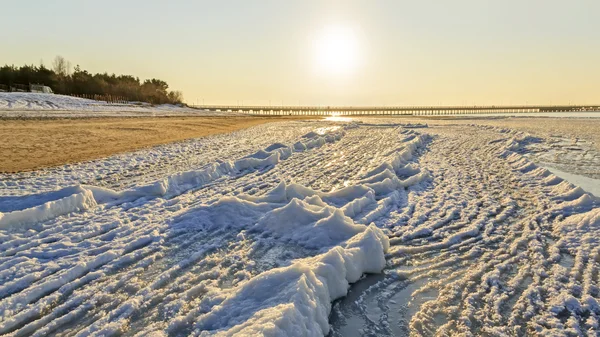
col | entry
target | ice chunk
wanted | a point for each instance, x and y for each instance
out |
(295, 299)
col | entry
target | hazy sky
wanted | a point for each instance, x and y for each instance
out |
(256, 52)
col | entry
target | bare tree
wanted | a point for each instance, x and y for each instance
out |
(61, 66)
(175, 97)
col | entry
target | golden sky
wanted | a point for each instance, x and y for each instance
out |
(322, 52)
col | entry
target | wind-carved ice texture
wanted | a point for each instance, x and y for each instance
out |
(263, 242)
(302, 228)
(496, 245)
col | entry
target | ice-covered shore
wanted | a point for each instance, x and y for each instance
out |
(266, 231)
(332, 232)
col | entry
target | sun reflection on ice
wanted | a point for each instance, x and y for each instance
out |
(324, 130)
(339, 119)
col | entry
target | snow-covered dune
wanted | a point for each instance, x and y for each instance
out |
(303, 229)
(19, 104)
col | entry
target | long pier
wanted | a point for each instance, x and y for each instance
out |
(396, 110)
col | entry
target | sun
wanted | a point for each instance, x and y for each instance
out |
(336, 50)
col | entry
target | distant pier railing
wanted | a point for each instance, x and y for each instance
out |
(398, 110)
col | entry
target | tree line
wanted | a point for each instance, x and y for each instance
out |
(64, 80)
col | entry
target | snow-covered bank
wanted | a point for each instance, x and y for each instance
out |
(18, 104)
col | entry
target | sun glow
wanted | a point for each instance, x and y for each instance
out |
(337, 50)
(336, 118)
